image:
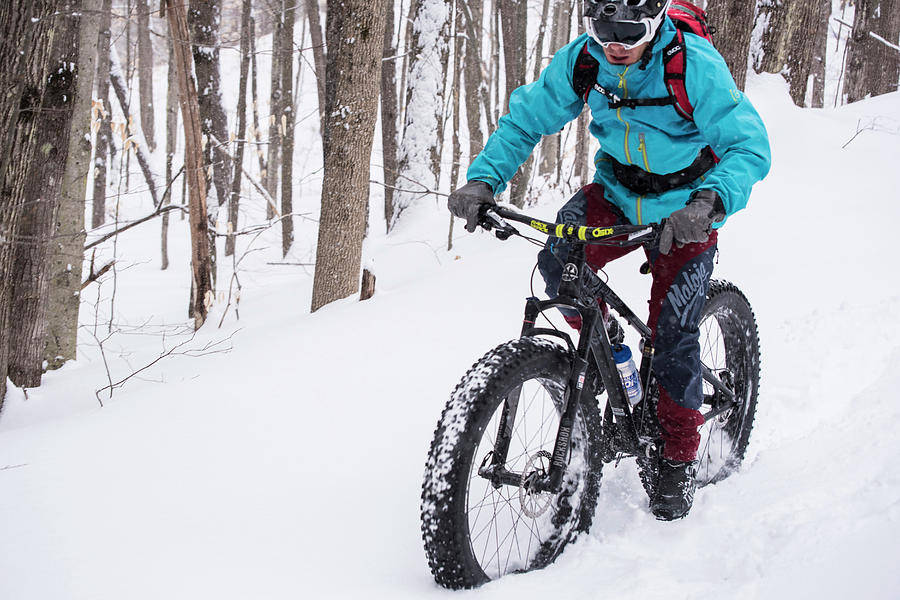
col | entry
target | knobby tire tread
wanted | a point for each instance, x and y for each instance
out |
(479, 393)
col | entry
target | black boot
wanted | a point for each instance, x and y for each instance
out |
(674, 490)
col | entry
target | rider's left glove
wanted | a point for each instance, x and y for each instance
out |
(466, 202)
(693, 223)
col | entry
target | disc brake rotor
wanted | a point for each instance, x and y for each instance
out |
(535, 503)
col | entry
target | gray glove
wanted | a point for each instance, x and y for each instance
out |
(467, 201)
(693, 223)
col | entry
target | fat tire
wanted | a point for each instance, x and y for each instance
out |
(740, 339)
(445, 524)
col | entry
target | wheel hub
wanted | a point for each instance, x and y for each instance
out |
(535, 502)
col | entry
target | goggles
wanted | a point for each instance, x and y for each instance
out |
(626, 33)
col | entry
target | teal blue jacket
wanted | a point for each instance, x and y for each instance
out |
(655, 138)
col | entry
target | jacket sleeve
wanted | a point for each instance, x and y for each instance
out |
(729, 124)
(536, 109)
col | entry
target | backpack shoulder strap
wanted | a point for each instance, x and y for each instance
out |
(675, 62)
(584, 75)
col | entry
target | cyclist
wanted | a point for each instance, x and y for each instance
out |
(657, 160)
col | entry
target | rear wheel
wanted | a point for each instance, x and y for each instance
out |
(729, 344)
(729, 347)
(475, 530)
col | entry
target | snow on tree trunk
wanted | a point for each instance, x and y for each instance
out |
(419, 150)
(136, 135)
(204, 17)
(355, 38)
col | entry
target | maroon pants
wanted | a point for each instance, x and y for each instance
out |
(680, 282)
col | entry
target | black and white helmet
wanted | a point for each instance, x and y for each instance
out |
(626, 22)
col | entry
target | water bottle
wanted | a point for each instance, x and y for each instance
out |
(631, 379)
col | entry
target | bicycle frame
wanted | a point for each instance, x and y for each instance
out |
(580, 290)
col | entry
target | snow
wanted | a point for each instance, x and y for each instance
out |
(291, 465)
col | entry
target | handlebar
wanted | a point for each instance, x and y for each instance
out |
(493, 217)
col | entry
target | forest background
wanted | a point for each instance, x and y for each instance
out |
(89, 151)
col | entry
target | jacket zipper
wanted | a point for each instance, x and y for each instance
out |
(642, 146)
(638, 207)
(623, 85)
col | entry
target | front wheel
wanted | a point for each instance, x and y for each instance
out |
(476, 530)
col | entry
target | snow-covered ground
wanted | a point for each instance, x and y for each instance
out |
(291, 466)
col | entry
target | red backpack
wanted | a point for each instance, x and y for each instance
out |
(687, 18)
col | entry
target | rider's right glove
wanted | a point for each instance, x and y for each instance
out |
(693, 223)
(467, 201)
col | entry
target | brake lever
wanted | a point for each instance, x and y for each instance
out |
(490, 220)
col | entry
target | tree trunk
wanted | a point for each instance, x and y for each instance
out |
(734, 24)
(27, 334)
(788, 42)
(24, 57)
(803, 26)
(145, 72)
(204, 18)
(254, 96)
(201, 262)
(287, 121)
(389, 112)
(136, 135)
(476, 93)
(420, 150)
(515, 52)
(404, 68)
(558, 35)
(495, 64)
(271, 176)
(171, 143)
(233, 202)
(104, 133)
(68, 249)
(819, 54)
(456, 148)
(581, 138)
(315, 34)
(355, 46)
(22, 71)
(873, 67)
